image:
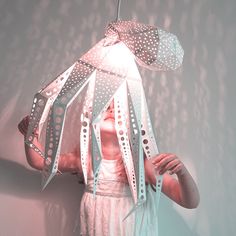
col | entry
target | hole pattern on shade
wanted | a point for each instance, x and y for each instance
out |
(96, 140)
(95, 55)
(123, 138)
(104, 91)
(134, 104)
(153, 47)
(41, 105)
(76, 80)
(84, 140)
(37, 109)
(52, 89)
(85, 126)
(148, 139)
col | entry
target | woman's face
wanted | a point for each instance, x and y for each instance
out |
(108, 120)
(109, 113)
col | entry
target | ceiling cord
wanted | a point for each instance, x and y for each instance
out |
(118, 10)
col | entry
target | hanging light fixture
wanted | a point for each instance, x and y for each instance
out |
(107, 72)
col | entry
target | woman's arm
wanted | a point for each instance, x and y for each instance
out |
(184, 190)
(68, 162)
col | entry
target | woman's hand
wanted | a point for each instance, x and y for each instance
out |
(23, 125)
(183, 189)
(168, 162)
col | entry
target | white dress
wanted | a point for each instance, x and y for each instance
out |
(103, 214)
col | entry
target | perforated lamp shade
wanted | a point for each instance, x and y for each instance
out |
(107, 71)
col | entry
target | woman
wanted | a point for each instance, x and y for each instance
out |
(104, 214)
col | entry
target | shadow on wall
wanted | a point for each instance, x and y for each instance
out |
(170, 221)
(60, 200)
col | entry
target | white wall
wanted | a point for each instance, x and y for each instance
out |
(193, 109)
